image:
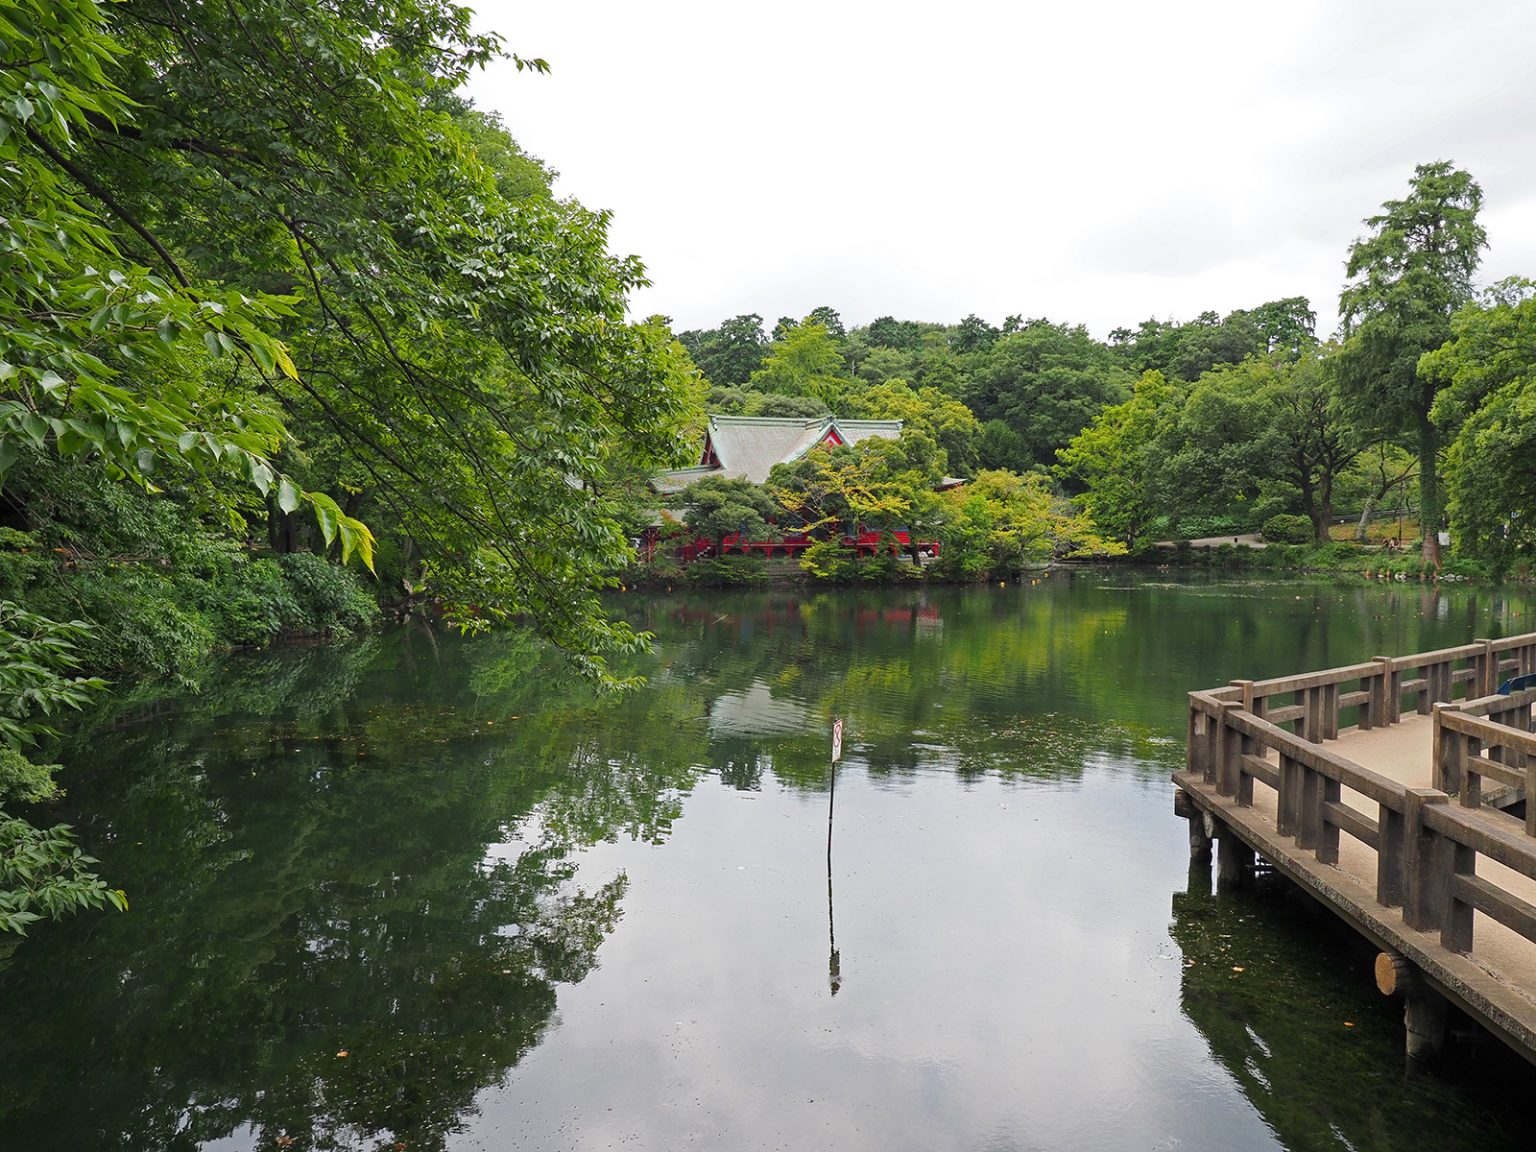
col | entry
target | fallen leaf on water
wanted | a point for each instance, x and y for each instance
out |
(1235, 968)
(342, 1053)
(1349, 1023)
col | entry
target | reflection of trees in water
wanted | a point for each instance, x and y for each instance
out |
(315, 844)
(307, 855)
(957, 679)
(1330, 1076)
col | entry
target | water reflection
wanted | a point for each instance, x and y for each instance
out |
(1320, 1056)
(529, 915)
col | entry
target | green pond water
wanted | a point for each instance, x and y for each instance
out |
(422, 893)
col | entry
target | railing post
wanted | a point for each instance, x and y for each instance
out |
(1288, 809)
(1238, 778)
(1456, 860)
(1391, 854)
(1375, 709)
(1448, 749)
(1486, 662)
(1426, 879)
(1312, 715)
(1309, 815)
(1193, 731)
(1530, 791)
(1391, 691)
(1329, 791)
(1330, 711)
(1426, 695)
(1226, 748)
(1520, 720)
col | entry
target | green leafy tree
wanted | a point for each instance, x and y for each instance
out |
(1407, 280)
(805, 361)
(1003, 523)
(103, 355)
(729, 354)
(1116, 462)
(462, 357)
(1253, 436)
(42, 873)
(1046, 382)
(951, 425)
(1487, 373)
(1189, 350)
(717, 506)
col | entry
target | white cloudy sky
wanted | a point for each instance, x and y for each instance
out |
(1097, 163)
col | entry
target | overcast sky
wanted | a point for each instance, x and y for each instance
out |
(1092, 163)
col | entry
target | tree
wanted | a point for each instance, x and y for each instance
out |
(227, 228)
(1003, 523)
(728, 354)
(717, 506)
(805, 361)
(1046, 382)
(950, 423)
(1487, 402)
(828, 318)
(875, 485)
(1407, 280)
(101, 356)
(973, 334)
(1115, 461)
(42, 873)
(1264, 430)
(468, 354)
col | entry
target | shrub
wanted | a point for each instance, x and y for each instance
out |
(329, 598)
(257, 605)
(830, 560)
(729, 571)
(1286, 528)
(1201, 527)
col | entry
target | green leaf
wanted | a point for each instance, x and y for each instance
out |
(35, 427)
(327, 513)
(288, 496)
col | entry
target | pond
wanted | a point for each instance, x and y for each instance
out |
(418, 892)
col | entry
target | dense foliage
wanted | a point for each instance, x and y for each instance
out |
(261, 259)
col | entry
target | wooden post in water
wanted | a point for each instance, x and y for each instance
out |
(1424, 1024)
(1423, 1008)
(1201, 826)
(1234, 860)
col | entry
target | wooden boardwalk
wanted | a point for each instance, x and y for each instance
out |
(1394, 792)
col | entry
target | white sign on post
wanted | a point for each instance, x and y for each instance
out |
(837, 740)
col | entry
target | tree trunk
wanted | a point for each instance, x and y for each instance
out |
(282, 531)
(1362, 530)
(1322, 519)
(1429, 491)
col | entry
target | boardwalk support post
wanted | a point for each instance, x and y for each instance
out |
(1424, 1024)
(1200, 826)
(1234, 860)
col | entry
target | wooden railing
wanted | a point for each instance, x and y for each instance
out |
(1487, 739)
(1316, 705)
(1427, 849)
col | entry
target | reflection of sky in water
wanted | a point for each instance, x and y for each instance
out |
(1009, 886)
(1003, 984)
(756, 712)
